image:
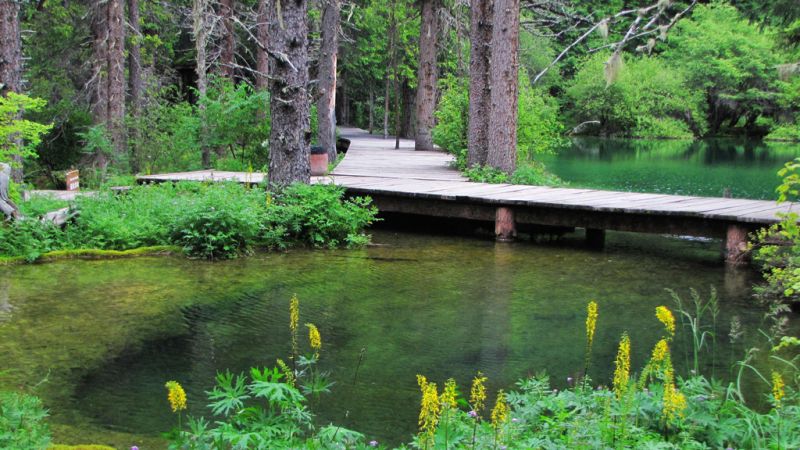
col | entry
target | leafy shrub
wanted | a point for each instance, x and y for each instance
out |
(219, 220)
(22, 422)
(648, 99)
(211, 234)
(318, 215)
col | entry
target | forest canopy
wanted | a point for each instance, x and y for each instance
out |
(142, 86)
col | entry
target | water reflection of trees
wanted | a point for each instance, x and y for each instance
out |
(707, 151)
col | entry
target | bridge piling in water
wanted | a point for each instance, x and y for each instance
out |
(505, 227)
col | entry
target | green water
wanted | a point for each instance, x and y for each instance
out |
(106, 335)
(703, 168)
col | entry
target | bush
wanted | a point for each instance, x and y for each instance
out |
(213, 221)
(317, 215)
(22, 422)
(648, 99)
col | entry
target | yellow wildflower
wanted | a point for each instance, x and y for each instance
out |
(429, 410)
(665, 316)
(176, 396)
(422, 382)
(449, 394)
(777, 388)
(623, 366)
(477, 394)
(294, 318)
(314, 338)
(660, 351)
(591, 322)
(287, 372)
(500, 410)
(674, 400)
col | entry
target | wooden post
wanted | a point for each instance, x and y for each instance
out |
(505, 228)
(595, 238)
(736, 245)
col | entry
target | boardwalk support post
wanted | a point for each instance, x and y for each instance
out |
(595, 238)
(505, 227)
(736, 245)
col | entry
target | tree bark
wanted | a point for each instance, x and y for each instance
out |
(326, 105)
(290, 136)
(262, 57)
(200, 33)
(371, 109)
(228, 54)
(116, 79)
(479, 88)
(407, 124)
(11, 62)
(426, 74)
(386, 95)
(135, 82)
(504, 79)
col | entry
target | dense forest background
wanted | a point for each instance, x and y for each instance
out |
(193, 89)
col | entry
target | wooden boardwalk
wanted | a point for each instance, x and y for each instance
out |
(423, 183)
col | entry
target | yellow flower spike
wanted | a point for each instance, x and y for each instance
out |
(287, 372)
(674, 400)
(591, 322)
(294, 319)
(176, 396)
(430, 409)
(422, 382)
(449, 394)
(665, 316)
(294, 313)
(660, 352)
(477, 394)
(500, 411)
(623, 366)
(777, 388)
(314, 338)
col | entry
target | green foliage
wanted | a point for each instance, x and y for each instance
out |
(730, 61)
(777, 249)
(538, 128)
(319, 216)
(15, 130)
(648, 99)
(22, 422)
(206, 220)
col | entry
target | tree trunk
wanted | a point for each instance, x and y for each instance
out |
(407, 125)
(116, 79)
(135, 79)
(386, 95)
(326, 105)
(200, 33)
(228, 54)
(11, 62)
(262, 57)
(479, 88)
(100, 75)
(504, 79)
(426, 74)
(371, 109)
(290, 136)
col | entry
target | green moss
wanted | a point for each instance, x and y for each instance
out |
(92, 253)
(80, 447)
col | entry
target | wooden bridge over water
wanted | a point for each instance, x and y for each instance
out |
(423, 183)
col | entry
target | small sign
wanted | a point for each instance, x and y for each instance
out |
(73, 180)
